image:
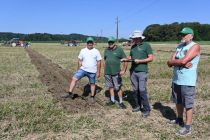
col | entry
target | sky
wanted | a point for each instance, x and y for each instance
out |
(97, 17)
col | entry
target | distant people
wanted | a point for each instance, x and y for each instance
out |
(140, 54)
(113, 71)
(89, 65)
(26, 44)
(184, 61)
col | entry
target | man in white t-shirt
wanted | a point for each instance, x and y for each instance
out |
(89, 65)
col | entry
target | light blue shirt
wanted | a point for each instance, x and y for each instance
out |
(182, 75)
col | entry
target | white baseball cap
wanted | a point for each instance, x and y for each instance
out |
(137, 34)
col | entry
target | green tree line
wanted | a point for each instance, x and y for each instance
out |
(154, 32)
(47, 37)
(169, 32)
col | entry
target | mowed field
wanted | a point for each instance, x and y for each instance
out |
(31, 82)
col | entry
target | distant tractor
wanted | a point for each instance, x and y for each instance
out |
(14, 42)
(71, 43)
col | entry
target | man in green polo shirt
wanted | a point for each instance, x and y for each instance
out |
(113, 72)
(140, 54)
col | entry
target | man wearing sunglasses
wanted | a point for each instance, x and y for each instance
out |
(184, 61)
(113, 72)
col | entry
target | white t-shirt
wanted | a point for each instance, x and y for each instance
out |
(89, 59)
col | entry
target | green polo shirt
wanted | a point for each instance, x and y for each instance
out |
(112, 60)
(140, 51)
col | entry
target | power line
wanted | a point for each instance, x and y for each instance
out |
(140, 10)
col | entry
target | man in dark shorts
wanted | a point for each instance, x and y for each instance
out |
(184, 61)
(112, 58)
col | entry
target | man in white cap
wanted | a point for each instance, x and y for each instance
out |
(140, 55)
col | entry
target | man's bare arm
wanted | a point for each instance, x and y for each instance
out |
(193, 52)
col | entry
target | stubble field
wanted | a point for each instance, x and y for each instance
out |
(32, 80)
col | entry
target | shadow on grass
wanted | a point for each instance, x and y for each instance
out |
(87, 91)
(166, 111)
(128, 96)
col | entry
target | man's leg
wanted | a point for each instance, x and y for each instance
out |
(72, 84)
(177, 99)
(92, 88)
(134, 81)
(111, 91)
(78, 75)
(180, 110)
(110, 85)
(120, 95)
(189, 114)
(92, 81)
(143, 92)
(188, 93)
(112, 97)
(117, 82)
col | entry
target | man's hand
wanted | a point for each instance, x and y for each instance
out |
(97, 75)
(137, 61)
(122, 72)
(124, 59)
(188, 65)
(169, 63)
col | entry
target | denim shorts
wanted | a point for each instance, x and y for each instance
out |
(113, 81)
(182, 94)
(81, 73)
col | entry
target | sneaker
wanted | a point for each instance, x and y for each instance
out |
(122, 106)
(92, 99)
(184, 131)
(177, 121)
(68, 95)
(110, 103)
(146, 114)
(136, 109)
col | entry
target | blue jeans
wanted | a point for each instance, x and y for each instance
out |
(81, 73)
(139, 83)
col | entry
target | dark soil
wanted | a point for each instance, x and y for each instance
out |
(57, 80)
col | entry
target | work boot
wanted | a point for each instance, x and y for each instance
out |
(68, 95)
(184, 131)
(136, 109)
(145, 114)
(110, 103)
(92, 99)
(122, 106)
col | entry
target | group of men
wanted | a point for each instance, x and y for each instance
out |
(184, 62)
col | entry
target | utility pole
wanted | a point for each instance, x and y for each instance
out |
(101, 35)
(117, 32)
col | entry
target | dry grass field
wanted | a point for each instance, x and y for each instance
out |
(30, 107)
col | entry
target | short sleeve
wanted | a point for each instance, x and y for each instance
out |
(80, 55)
(149, 49)
(98, 55)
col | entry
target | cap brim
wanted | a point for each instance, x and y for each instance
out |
(142, 37)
